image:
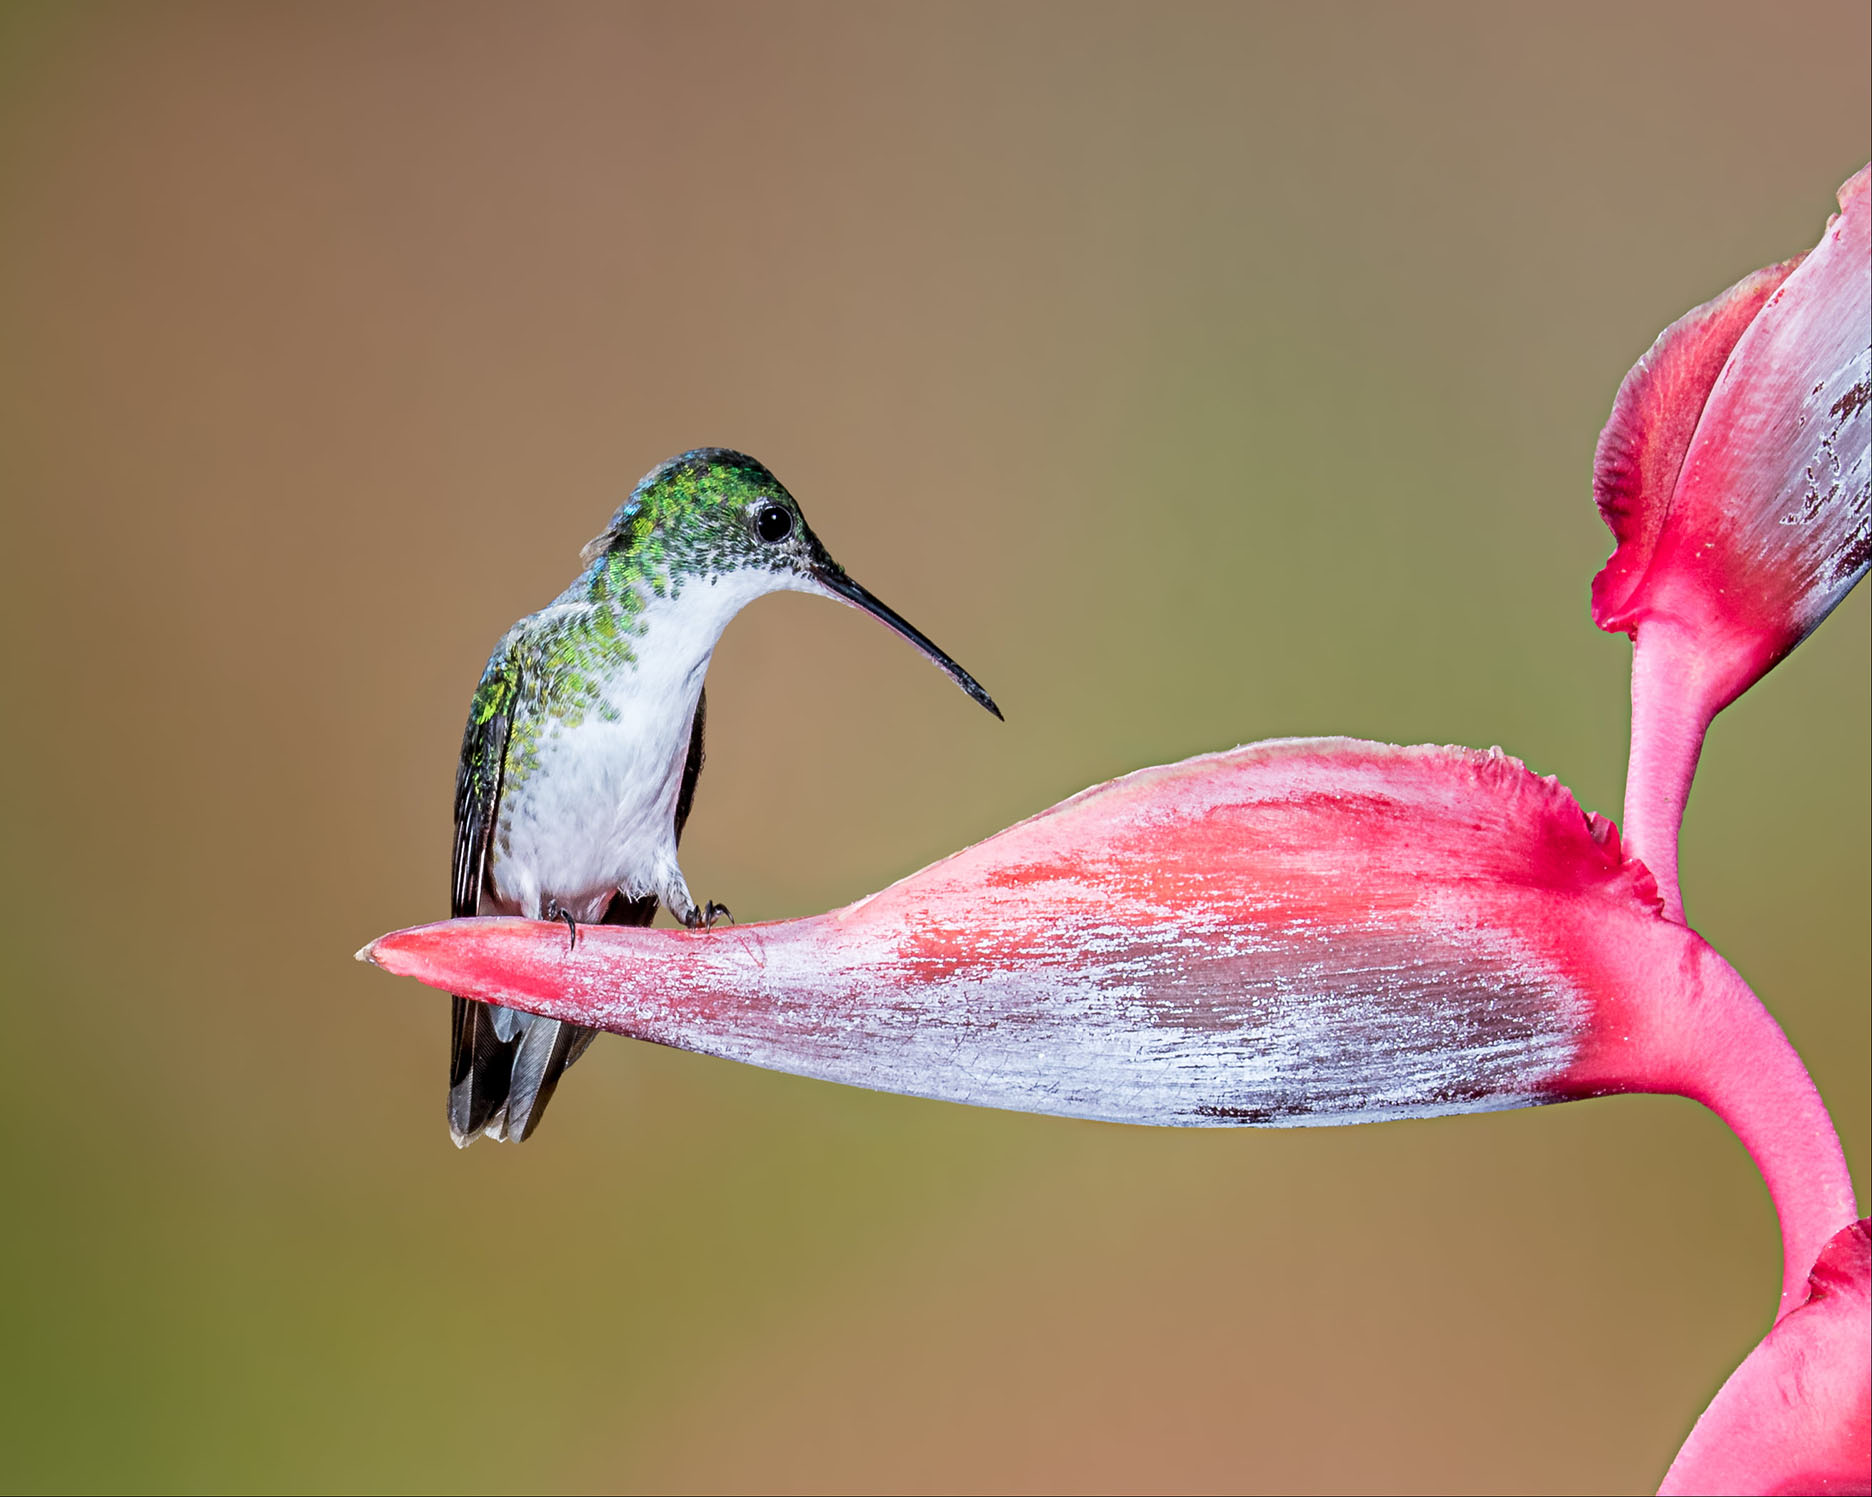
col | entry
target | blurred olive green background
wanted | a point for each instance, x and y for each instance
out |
(1195, 375)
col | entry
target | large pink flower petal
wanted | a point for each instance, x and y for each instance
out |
(1300, 932)
(1734, 473)
(1796, 1416)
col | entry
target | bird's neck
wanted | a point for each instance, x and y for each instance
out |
(666, 629)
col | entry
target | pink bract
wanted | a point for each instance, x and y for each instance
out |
(1734, 475)
(1300, 932)
(1796, 1416)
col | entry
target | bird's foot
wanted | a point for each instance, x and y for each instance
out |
(553, 912)
(705, 919)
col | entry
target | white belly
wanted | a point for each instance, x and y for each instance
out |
(596, 815)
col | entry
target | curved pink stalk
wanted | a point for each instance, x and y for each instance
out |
(1734, 474)
(1671, 694)
(1701, 1033)
(1796, 1416)
(1300, 932)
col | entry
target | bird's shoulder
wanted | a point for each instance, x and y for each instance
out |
(559, 657)
(552, 672)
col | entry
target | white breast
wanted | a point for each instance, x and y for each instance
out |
(597, 813)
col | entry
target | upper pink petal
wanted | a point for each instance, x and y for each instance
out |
(1767, 525)
(1654, 416)
(1796, 1416)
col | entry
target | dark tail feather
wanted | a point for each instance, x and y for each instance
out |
(545, 1049)
(480, 1069)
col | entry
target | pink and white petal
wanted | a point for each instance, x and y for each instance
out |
(1654, 416)
(1766, 525)
(1770, 525)
(1294, 933)
(1314, 932)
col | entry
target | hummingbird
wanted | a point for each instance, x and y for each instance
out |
(584, 744)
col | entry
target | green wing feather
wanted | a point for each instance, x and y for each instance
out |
(478, 783)
(474, 1051)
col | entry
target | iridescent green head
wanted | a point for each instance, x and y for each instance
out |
(712, 514)
(706, 513)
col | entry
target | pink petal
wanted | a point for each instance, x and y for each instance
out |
(1654, 416)
(1766, 526)
(1735, 541)
(1796, 1416)
(1301, 932)
(1322, 931)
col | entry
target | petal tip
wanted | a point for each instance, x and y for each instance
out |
(1854, 187)
(384, 952)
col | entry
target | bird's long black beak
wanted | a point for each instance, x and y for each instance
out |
(831, 576)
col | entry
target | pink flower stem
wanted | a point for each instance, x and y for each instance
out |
(1725, 1050)
(1672, 705)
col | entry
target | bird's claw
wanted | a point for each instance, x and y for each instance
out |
(571, 925)
(705, 918)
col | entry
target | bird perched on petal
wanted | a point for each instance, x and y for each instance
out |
(585, 743)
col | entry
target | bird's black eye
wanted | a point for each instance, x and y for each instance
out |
(772, 524)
